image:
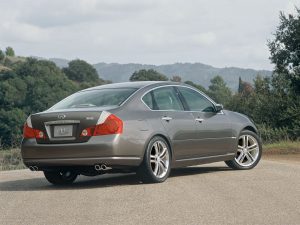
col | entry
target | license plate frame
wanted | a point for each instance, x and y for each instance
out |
(63, 131)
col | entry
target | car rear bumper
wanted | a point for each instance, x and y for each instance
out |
(111, 150)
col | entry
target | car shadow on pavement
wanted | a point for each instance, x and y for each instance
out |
(102, 181)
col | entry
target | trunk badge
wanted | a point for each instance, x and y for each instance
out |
(89, 118)
(61, 116)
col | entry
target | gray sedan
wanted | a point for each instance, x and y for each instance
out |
(145, 127)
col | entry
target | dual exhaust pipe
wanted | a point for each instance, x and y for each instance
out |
(33, 168)
(101, 167)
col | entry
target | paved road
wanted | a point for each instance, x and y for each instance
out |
(208, 194)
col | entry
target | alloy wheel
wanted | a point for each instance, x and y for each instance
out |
(248, 150)
(159, 159)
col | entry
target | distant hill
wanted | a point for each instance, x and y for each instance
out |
(196, 72)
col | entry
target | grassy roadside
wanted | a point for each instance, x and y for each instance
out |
(11, 159)
(285, 150)
(282, 151)
(283, 147)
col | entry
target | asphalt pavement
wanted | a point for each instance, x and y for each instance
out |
(206, 194)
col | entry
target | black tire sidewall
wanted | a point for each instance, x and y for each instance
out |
(56, 178)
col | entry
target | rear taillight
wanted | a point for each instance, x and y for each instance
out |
(111, 125)
(29, 132)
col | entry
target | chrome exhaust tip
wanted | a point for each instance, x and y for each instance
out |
(101, 167)
(97, 167)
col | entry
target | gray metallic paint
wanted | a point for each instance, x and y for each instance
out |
(191, 142)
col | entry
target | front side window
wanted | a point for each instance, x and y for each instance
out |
(164, 98)
(196, 101)
(95, 98)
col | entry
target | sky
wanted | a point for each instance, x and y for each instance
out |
(222, 33)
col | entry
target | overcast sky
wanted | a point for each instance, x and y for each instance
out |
(216, 32)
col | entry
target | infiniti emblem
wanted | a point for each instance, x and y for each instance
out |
(61, 116)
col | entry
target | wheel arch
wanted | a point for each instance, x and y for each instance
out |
(165, 137)
(250, 128)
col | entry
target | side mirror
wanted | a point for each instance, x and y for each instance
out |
(219, 107)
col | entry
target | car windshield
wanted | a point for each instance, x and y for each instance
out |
(95, 98)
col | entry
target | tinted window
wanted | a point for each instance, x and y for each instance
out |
(95, 98)
(149, 100)
(166, 99)
(196, 101)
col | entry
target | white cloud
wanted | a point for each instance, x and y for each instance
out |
(220, 33)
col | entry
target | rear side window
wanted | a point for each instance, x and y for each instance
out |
(196, 101)
(95, 98)
(164, 98)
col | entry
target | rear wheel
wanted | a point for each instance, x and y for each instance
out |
(248, 153)
(155, 167)
(60, 177)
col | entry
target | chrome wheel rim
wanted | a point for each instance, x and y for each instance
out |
(159, 159)
(248, 151)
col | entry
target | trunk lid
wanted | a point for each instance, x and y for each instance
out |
(65, 126)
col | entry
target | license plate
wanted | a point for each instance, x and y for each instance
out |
(63, 131)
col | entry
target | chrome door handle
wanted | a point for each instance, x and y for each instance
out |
(167, 118)
(199, 120)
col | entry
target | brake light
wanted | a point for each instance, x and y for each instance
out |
(111, 125)
(29, 132)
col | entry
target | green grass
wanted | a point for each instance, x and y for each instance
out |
(282, 147)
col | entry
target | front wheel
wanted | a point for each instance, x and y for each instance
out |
(248, 153)
(155, 167)
(60, 177)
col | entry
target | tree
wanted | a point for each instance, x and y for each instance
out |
(9, 51)
(245, 88)
(285, 50)
(81, 71)
(2, 56)
(176, 79)
(144, 75)
(28, 87)
(198, 86)
(219, 91)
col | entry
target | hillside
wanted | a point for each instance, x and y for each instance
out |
(196, 72)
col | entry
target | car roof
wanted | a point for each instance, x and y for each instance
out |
(134, 84)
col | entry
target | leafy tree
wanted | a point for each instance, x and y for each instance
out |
(219, 91)
(144, 75)
(11, 123)
(30, 86)
(176, 79)
(198, 86)
(285, 49)
(81, 71)
(9, 51)
(2, 56)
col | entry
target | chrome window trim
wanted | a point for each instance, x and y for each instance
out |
(172, 110)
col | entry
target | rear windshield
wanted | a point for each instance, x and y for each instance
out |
(95, 98)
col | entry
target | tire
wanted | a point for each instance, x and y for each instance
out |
(156, 165)
(248, 155)
(60, 177)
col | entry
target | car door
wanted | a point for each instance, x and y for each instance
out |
(179, 124)
(214, 130)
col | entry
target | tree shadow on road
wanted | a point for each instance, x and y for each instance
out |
(102, 181)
